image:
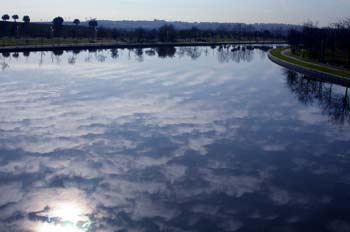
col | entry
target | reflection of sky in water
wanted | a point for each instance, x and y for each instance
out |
(186, 139)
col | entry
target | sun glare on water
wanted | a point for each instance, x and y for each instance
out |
(65, 218)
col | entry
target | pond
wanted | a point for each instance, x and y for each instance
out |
(170, 139)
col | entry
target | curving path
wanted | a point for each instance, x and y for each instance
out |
(309, 71)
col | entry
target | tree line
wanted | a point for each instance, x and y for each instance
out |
(326, 44)
(167, 33)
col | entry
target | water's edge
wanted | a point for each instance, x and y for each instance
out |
(56, 47)
(310, 72)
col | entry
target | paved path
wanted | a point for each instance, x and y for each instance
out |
(319, 75)
(286, 53)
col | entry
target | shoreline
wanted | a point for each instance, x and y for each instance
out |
(345, 81)
(85, 46)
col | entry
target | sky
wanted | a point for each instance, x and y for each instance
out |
(246, 11)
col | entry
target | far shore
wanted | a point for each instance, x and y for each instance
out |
(111, 45)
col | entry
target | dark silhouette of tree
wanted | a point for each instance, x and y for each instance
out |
(26, 19)
(326, 44)
(15, 17)
(76, 23)
(294, 41)
(167, 33)
(93, 27)
(25, 26)
(57, 24)
(343, 33)
(5, 17)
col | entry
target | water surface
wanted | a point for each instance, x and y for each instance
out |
(170, 139)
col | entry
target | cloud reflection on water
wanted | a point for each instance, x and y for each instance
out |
(142, 146)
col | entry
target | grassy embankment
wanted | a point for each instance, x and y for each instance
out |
(308, 64)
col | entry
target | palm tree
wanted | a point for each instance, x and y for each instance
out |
(93, 25)
(15, 17)
(76, 22)
(5, 17)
